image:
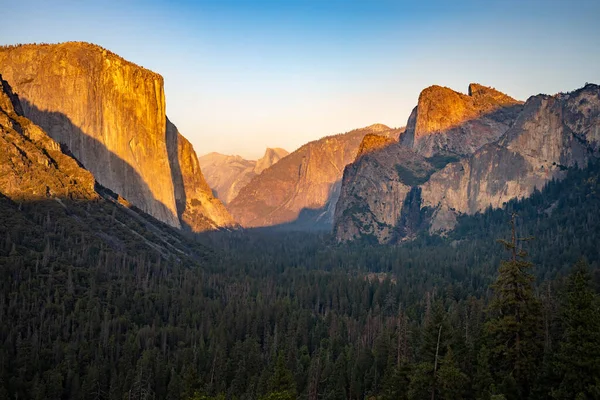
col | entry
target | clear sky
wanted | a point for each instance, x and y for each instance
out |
(244, 75)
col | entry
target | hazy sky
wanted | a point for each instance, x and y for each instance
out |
(243, 75)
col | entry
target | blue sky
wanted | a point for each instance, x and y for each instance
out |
(244, 75)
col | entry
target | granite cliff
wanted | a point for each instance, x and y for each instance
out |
(110, 113)
(449, 122)
(301, 190)
(461, 154)
(227, 175)
(47, 198)
(551, 134)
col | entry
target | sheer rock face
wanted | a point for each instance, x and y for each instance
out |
(110, 113)
(302, 189)
(227, 175)
(197, 208)
(552, 133)
(448, 122)
(32, 165)
(549, 134)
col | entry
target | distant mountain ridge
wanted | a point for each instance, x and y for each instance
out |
(461, 154)
(301, 190)
(227, 175)
(111, 114)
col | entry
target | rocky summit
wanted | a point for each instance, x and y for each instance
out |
(461, 154)
(227, 175)
(449, 122)
(301, 190)
(110, 114)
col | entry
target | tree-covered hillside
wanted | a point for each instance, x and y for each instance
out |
(91, 310)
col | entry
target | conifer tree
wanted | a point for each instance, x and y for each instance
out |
(578, 359)
(514, 329)
(452, 382)
(281, 385)
(482, 381)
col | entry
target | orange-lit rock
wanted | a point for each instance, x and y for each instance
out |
(448, 122)
(197, 208)
(443, 167)
(109, 112)
(552, 132)
(372, 142)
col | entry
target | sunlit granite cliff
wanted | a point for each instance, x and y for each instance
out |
(461, 154)
(110, 113)
(445, 121)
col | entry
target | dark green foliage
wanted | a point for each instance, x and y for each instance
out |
(439, 161)
(91, 310)
(578, 358)
(412, 177)
(451, 381)
(514, 330)
(281, 384)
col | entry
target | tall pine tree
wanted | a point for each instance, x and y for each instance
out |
(578, 358)
(514, 328)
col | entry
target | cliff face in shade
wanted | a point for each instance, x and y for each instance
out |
(301, 190)
(110, 113)
(373, 191)
(197, 208)
(32, 165)
(227, 175)
(448, 122)
(392, 193)
(443, 127)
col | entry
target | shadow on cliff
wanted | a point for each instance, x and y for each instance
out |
(171, 137)
(309, 219)
(56, 122)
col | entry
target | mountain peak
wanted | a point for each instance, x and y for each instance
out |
(447, 121)
(378, 128)
(84, 52)
(478, 90)
(272, 155)
(276, 150)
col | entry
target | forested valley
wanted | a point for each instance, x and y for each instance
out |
(258, 314)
